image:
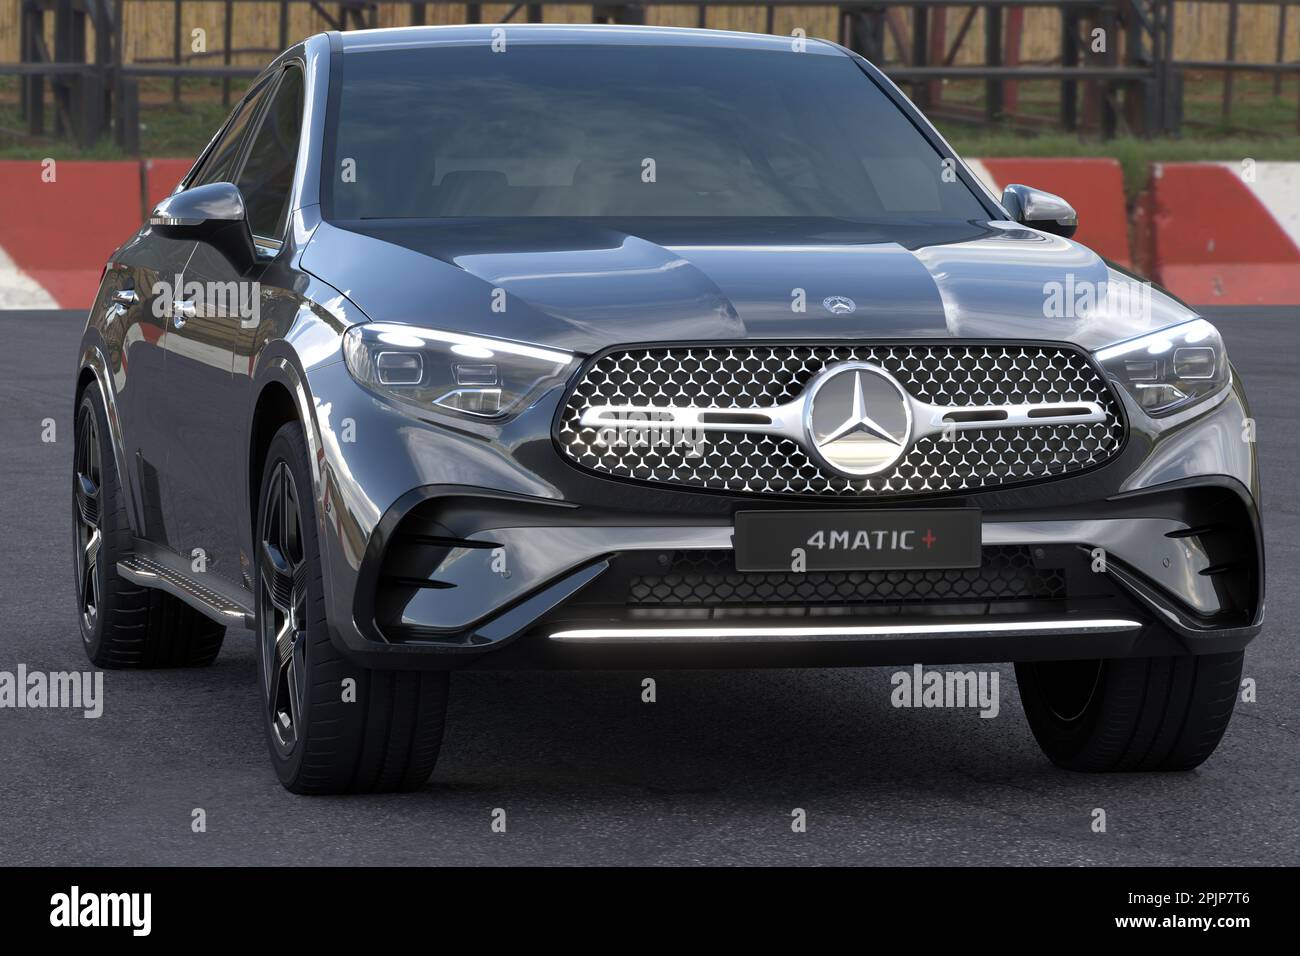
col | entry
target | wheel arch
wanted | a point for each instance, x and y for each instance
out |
(274, 409)
(93, 368)
(85, 378)
(283, 396)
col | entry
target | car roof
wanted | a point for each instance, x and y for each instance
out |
(574, 34)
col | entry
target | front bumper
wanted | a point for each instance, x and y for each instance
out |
(455, 548)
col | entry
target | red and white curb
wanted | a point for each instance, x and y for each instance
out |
(18, 290)
(1224, 233)
(1277, 187)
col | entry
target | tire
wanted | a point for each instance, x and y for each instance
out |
(386, 737)
(1140, 714)
(122, 624)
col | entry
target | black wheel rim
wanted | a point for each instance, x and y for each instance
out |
(282, 617)
(86, 482)
(1068, 686)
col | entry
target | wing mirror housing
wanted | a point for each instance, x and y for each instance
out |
(214, 214)
(1040, 210)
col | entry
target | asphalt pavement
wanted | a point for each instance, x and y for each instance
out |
(584, 771)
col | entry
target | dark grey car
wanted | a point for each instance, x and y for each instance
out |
(642, 348)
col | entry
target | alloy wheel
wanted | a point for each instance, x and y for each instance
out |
(282, 617)
(86, 482)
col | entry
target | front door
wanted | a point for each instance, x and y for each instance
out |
(138, 282)
(200, 482)
(220, 307)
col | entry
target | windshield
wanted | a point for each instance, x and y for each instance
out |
(617, 130)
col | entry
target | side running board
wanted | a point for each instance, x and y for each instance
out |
(213, 599)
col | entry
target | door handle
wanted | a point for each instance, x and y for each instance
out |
(182, 310)
(123, 299)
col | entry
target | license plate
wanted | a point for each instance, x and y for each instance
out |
(895, 539)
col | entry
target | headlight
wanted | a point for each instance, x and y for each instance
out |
(446, 371)
(1169, 370)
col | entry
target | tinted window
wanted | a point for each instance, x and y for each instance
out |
(219, 165)
(268, 174)
(622, 130)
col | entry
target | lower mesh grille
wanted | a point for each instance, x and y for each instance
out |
(709, 579)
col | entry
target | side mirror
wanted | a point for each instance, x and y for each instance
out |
(1040, 210)
(213, 214)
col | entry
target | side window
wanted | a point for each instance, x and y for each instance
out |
(219, 166)
(268, 173)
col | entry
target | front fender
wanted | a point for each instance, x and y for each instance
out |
(101, 354)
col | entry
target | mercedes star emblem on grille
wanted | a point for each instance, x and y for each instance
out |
(858, 418)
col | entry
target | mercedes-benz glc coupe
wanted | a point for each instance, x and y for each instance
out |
(640, 348)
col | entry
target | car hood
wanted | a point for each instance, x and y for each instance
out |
(585, 285)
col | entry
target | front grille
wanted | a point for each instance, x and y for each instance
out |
(709, 579)
(730, 377)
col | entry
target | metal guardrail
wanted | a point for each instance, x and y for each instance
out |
(1143, 93)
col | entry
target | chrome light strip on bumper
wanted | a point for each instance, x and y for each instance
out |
(767, 634)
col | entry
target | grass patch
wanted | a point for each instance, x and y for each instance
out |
(167, 129)
(1256, 109)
